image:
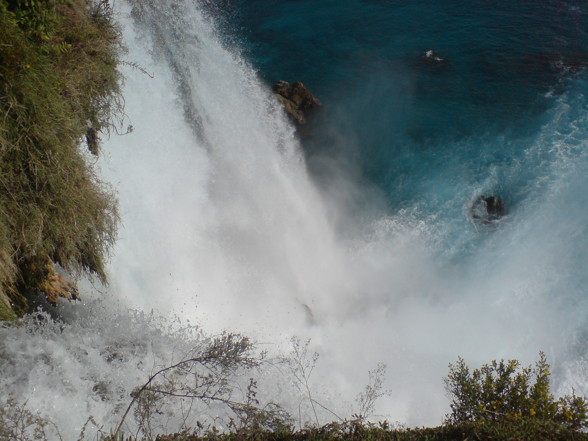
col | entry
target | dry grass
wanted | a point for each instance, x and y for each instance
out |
(58, 86)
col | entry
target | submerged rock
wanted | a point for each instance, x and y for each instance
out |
(486, 209)
(558, 64)
(297, 100)
(433, 59)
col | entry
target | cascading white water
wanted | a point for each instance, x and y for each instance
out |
(223, 227)
(236, 228)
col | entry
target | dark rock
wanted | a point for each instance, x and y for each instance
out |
(432, 58)
(93, 141)
(42, 275)
(554, 63)
(486, 209)
(92, 138)
(101, 389)
(297, 100)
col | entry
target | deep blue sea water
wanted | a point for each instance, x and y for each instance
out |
(507, 115)
(430, 136)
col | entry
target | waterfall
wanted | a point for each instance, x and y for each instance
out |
(223, 228)
(220, 214)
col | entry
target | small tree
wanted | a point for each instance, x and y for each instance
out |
(504, 392)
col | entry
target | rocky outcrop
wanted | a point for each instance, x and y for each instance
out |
(433, 61)
(55, 285)
(487, 209)
(297, 100)
(432, 57)
(42, 276)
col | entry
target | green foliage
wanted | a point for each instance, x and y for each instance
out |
(35, 17)
(356, 431)
(208, 374)
(58, 85)
(6, 311)
(503, 392)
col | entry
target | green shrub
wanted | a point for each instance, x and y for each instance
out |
(35, 17)
(504, 392)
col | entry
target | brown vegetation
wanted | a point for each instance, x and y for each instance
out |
(58, 86)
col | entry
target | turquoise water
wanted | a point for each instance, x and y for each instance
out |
(506, 115)
(433, 137)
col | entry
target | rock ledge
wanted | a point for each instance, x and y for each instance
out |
(297, 100)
